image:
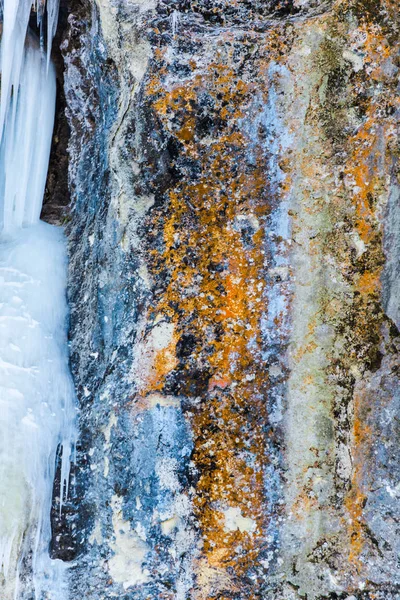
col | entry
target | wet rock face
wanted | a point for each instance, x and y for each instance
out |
(234, 299)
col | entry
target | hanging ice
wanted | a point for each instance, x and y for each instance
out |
(26, 142)
(36, 392)
(27, 104)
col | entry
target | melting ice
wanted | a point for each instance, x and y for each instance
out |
(36, 392)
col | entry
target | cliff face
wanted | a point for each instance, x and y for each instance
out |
(234, 260)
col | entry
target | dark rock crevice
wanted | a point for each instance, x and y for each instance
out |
(57, 194)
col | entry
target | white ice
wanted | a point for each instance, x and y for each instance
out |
(37, 411)
(36, 395)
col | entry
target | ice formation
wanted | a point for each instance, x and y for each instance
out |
(27, 103)
(36, 392)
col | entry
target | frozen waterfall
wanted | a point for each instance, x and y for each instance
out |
(36, 393)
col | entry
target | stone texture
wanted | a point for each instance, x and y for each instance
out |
(234, 254)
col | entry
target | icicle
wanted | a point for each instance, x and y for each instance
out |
(16, 15)
(26, 142)
(52, 19)
(15, 24)
(26, 120)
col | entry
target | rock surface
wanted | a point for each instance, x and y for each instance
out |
(234, 293)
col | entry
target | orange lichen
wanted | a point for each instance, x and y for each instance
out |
(369, 283)
(355, 500)
(367, 165)
(213, 248)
